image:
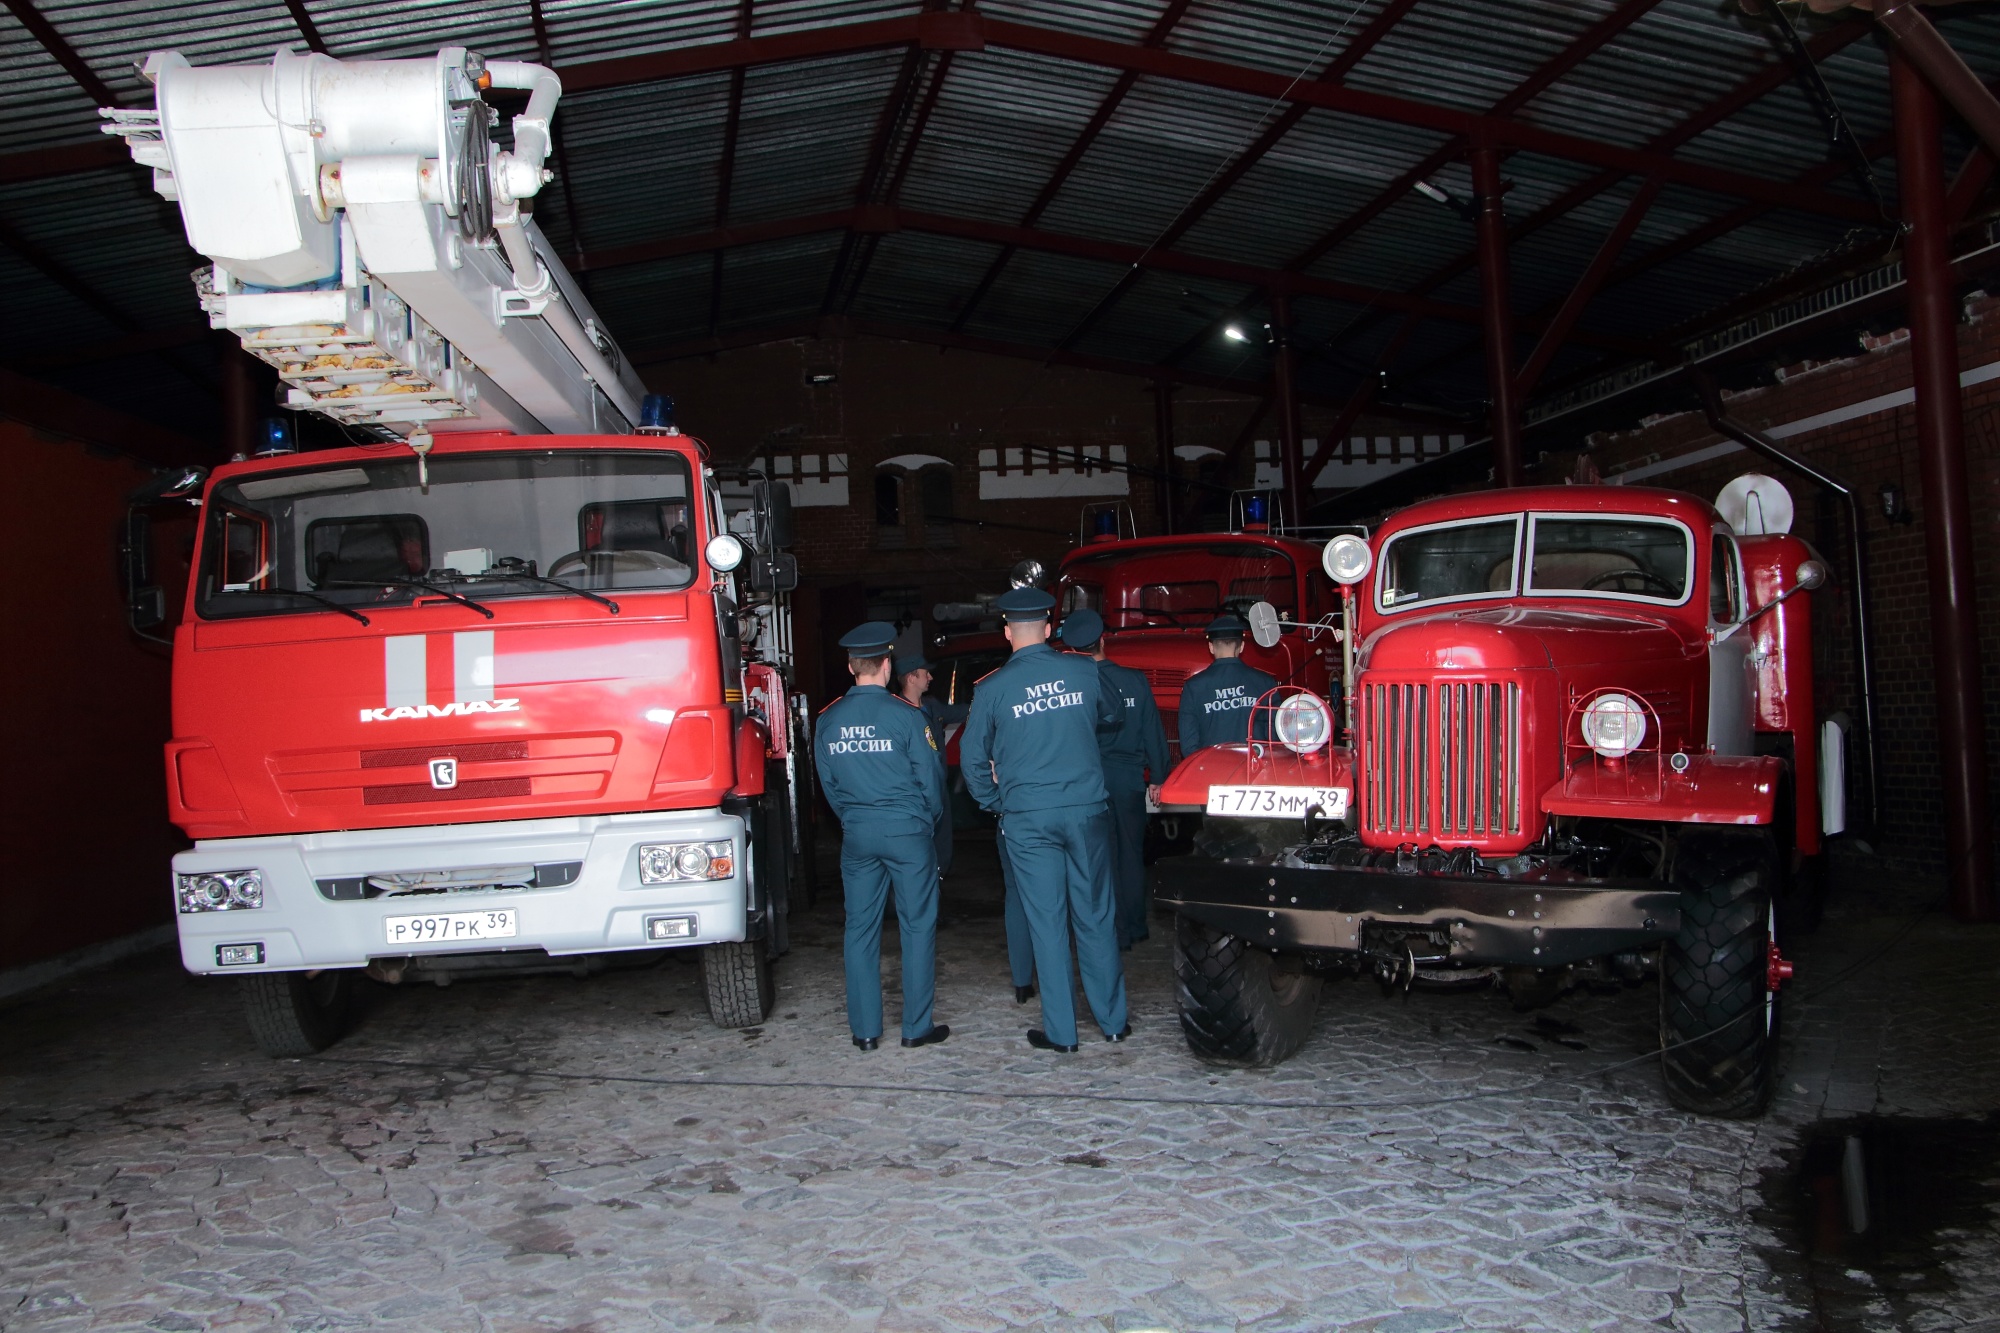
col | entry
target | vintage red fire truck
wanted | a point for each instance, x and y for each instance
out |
(1158, 594)
(1580, 746)
(501, 685)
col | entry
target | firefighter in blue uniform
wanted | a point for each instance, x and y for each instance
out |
(1134, 752)
(1216, 701)
(913, 678)
(882, 777)
(1029, 751)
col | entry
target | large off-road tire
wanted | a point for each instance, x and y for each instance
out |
(1238, 1003)
(1718, 1018)
(737, 978)
(292, 1014)
(771, 868)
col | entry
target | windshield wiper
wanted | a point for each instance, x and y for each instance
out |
(525, 577)
(312, 597)
(425, 584)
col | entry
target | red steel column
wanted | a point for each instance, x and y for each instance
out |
(1499, 314)
(1291, 463)
(240, 406)
(1163, 431)
(1947, 516)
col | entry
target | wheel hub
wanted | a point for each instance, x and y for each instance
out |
(1778, 969)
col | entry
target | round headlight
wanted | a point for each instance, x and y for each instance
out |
(1303, 724)
(724, 553)
(692, 862)
(213, 890)
(1614, 725)
(1346, 559)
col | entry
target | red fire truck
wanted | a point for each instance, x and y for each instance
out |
(1580, 746)
(1158, 594)
(500, 686)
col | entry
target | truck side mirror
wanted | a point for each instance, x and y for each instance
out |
(778, 503)
(1264, 625)
(147, 608)
(145, 601)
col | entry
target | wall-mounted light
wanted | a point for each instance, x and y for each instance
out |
(822, 377)
(1895, 505)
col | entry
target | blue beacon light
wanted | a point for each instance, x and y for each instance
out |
(274, 437)
(656, 412)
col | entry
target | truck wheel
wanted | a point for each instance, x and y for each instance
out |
(737, 977)
(1718, 1018)
(1239, 1004)
(770, 865)
(292, 1014)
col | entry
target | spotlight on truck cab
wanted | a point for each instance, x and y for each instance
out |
(1346, 559)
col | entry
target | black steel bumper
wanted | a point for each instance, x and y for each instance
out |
(1547, 920)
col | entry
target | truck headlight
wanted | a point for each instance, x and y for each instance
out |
(1614, 725)
(1303, 724)
(676, 862)
(219, 890)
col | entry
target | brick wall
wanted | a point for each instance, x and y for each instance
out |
(888, 399)
(1864, 452)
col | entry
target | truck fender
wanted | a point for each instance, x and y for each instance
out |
(752, 743)
(1253, 763)
(1713, 789)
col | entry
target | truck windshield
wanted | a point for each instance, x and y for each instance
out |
(488, 525)
(1610, 557)
(1448, 562)
(1180, 586)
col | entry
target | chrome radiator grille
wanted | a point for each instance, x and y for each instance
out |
(1442, 760)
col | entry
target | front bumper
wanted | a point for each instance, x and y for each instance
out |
(1548, 920)
(602, 909)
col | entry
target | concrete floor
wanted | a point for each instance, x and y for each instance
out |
(551, 1153)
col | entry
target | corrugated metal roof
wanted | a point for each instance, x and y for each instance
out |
(640, 164)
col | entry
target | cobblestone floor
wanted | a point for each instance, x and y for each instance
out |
(553, 1153)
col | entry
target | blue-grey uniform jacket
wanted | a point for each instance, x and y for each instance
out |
(1216, 703)
(1134, 750)
(877, 761)
(1035, 720)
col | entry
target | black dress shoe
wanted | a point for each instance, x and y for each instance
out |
(931, 1038)
(1023, 994)
(1119, 1036)
(1040, 1041)
(867, 1043)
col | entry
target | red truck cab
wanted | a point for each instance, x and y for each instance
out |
(1583, 744)
(483, 710)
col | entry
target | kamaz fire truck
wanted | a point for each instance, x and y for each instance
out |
(1580, 746)
(501, 685)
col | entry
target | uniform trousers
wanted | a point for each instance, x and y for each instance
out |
(941, 841)
(1065, 886)
(1127, 853)
(1020, 944)
(876, 859)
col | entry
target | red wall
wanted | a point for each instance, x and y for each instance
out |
(88, 841)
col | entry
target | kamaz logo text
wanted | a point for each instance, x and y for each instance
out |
(456, 708)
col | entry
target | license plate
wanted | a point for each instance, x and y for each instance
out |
(1277, 802)
(449, 927)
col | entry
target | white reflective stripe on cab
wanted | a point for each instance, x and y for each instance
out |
(403, 671)
(472, 665)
